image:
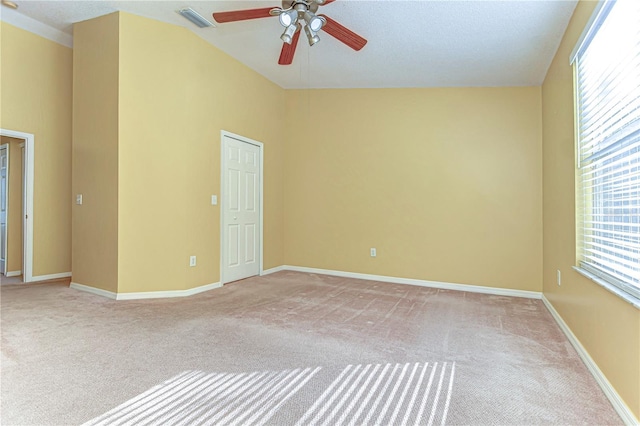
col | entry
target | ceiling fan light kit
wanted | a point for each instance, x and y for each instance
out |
(311, 35)
(314, 22)
(287, 35)
(288, 17)
(293, 15)
(297, 15)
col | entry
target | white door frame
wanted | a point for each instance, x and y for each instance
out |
(223, 183)
(27, 200)
(5, 241)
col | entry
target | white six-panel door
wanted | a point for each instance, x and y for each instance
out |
(4, 164)
(241, 233)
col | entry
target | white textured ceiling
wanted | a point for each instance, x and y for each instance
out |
(433, 43)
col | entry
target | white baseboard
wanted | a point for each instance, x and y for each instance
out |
(13, 274)
(618, 403)
(50, 276)
(145, 294)
(410, 281)
(93, 290)
(167, 293)
(274, 270)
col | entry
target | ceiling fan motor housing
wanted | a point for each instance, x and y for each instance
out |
(300, 6)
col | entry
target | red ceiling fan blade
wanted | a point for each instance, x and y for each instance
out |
(242, 15)
(343, 34)
(288, 50)
(326, 2)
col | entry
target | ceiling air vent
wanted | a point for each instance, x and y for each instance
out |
(195, 18)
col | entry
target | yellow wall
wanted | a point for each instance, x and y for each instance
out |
(445, 183)
(95, 152)
(36, 98)
(14, 230)
(157, 96)
(607, 327)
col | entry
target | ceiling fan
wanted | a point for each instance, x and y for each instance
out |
(295, 15)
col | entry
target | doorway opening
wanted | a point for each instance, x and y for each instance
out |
(16, 206)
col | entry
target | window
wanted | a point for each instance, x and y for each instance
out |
(607, 72)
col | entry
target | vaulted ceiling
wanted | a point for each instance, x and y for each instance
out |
(433, 43)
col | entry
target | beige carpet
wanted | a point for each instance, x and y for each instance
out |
(290, 349)
(10, 280)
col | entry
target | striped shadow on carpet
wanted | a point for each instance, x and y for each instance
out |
(375, 394)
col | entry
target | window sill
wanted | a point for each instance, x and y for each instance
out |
(610, 287)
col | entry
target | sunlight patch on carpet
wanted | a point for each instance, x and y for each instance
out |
(385, 395)
(375, 394)
(197, 397)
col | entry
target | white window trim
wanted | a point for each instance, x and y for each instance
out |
(627, 297)
(592, 26)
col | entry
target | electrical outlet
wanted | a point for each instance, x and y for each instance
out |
(373, 252)
(559, 277)
(192, 261)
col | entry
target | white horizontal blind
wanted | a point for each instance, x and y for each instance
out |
(608, 95)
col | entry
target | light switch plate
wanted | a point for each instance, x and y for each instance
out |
(214, 200)
(79, 199)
